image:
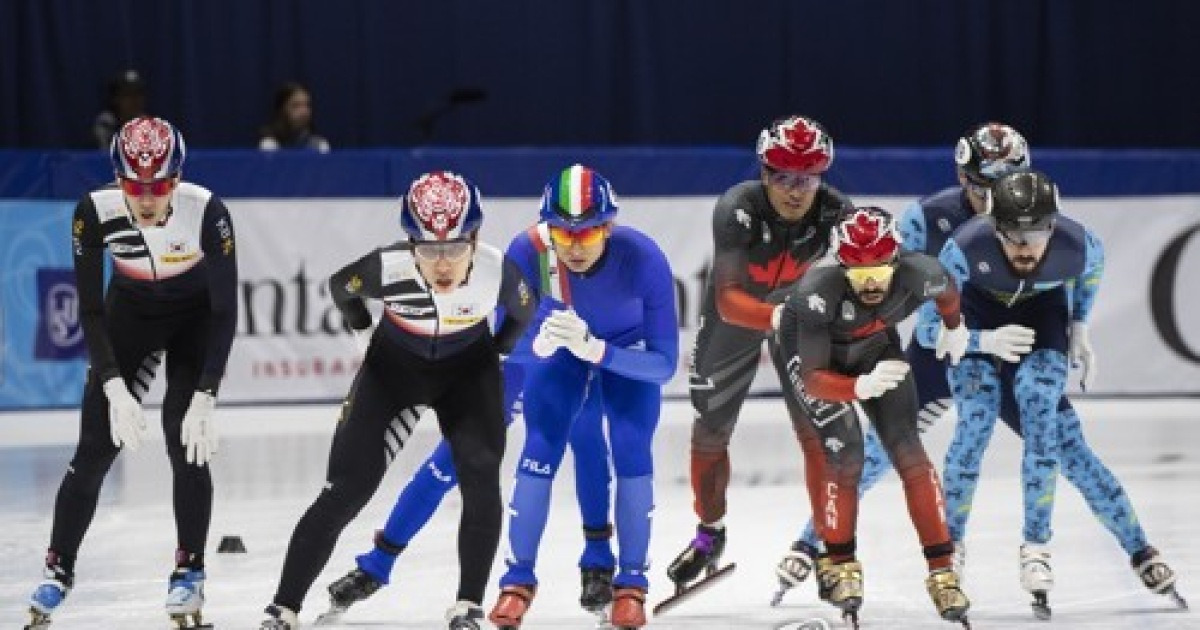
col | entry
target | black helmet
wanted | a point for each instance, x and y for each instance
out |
(1024, 201)
(990, 150)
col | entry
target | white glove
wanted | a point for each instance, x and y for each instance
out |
(952, 342)
(199, 432)
(570, 331)
(546, 343)
(125, 418)
(1082, 355)
(1007, 342)
(886, 376)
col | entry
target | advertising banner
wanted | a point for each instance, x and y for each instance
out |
(292, 344)
(41, 339)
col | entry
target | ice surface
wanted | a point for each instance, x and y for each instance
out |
(272, 463)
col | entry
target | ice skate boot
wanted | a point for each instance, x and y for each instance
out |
(794, 568)
(512, 605)
(946, 592)
(1156, 575)
(628, 609)
(48, 595)
(844, 582)
(703, 554)
(823, 565)
(185, 598)
(1037, 577)
(279, 618)
(464, 615)
(346, 591)
(595, 589)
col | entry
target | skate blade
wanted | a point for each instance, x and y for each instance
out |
(777, 598)
(850, 606)
(1178, 599)
(1041, 606)
(602, 618)
(851, 618)
(38, 620)
(188, 621)
(683, 593)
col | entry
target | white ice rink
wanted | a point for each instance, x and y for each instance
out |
(272, 463)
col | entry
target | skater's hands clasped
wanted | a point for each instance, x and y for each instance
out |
(199, 432)
(125, 417)
(568, 330)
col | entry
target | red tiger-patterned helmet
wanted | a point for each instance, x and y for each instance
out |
(868, 236)
(441, 206)
(147, 149)
(796, 143)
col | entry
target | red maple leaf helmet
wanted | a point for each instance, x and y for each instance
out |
(866, 237)
(796, 143)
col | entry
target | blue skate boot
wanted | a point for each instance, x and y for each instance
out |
(185, 598)
(50, 592)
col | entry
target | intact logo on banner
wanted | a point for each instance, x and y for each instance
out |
(60, 326)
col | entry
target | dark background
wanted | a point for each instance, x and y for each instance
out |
(1069, 73)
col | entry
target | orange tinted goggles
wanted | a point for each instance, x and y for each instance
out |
(880, 274)
(584, 237)
(156, 188)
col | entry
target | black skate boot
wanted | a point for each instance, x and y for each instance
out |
(595, 589)
(703, 554)
(279, 618)
(346, 591)
(1156, 575)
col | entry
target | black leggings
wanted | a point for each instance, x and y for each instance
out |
(465, 391)
(138, 343)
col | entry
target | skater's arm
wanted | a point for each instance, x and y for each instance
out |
(912, 228)
(87, 245)
(931, 316)
(518, 306)
(220, 256)
(805, 339)
(1087, 284)
(658, 361)
(733, 231)
(354, 282)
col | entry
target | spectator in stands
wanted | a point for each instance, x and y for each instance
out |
(291, 125)
(126, 100)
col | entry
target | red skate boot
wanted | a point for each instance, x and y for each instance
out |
(510, 608)
(628, 609)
